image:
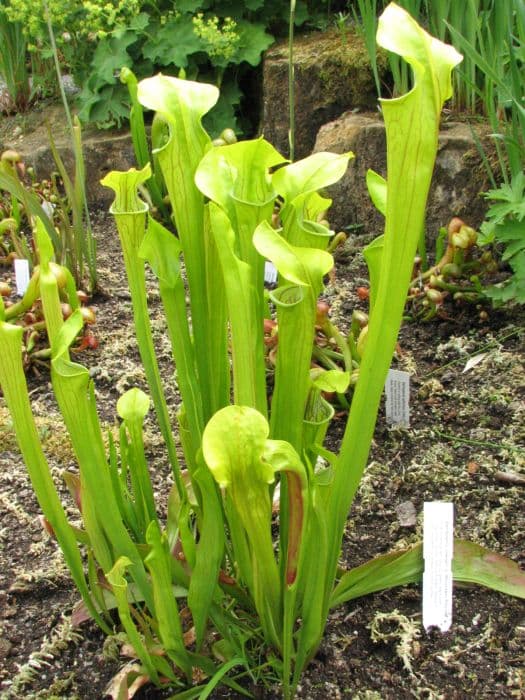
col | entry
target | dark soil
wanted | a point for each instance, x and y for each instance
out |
(466, 436)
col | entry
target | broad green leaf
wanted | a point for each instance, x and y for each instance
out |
(133, 405)
(331, 380)
(376, 185)
(169, 96)
(161, 249)
(225, 113)
(125, 185)
(412, 127)
(111, 53)
(310, 174)
(475, 564)
(252, 42)
(173, 43)
(158, 562)
(14, 387)
(299, 266)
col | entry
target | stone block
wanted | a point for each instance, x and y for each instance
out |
(459, 176)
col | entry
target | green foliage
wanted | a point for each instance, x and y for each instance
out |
(505, 225)
(216, 548)
(26, 312)
(59, 203)
(216, 48)
(13, 64)
(76, 24)
(491, 35)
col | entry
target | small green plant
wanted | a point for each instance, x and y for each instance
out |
(341, 24)
(215, 550)
(505, 226)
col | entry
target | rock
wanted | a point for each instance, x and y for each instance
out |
(406, 514)
(331, 76)
(103, 150)
(459, 176)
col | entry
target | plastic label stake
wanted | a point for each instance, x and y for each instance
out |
(397, 390)
(438, 550)
(21, 276)
(270, 272)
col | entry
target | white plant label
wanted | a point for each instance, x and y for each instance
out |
(438, 550)
(21, 276)
(397, 390)
(270, 273)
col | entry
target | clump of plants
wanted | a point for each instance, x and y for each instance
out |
(202, 594)
(58, 202)
(24, 201)
(505, 227)
(462, 274)
(13, 66)
(27, 312)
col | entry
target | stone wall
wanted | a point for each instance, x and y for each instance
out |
(331, 76)
(336, 109)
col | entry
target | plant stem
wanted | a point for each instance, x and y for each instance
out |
(291, 82)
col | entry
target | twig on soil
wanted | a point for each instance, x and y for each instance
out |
(510, 478)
